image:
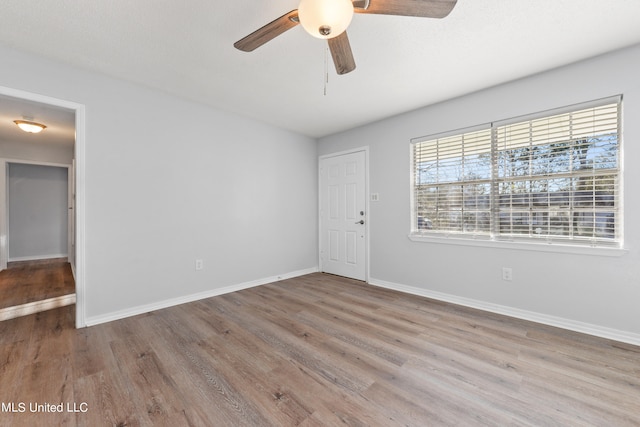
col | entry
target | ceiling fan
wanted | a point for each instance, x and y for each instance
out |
(329, 19)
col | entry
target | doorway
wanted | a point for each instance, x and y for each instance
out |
(38, 275)
(16, 149)
(343, 216)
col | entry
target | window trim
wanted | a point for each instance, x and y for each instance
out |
(493, 240)
(541, 246)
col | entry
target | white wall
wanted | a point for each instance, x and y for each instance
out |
(37, 212)
(591, 290)
(36, 152)
(169, 181)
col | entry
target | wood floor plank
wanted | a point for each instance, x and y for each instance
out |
(341, 330)
(318, 350)
(492, 394)
(200, 373)
(30, 281)
(293, 346)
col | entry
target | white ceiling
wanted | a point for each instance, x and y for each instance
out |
(186, 48)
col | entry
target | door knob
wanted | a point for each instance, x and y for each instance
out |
(360, 222)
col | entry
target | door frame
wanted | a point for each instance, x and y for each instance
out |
(364, 149)
(78, 185)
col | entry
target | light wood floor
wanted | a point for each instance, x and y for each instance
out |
(317, 350)
(29, 281)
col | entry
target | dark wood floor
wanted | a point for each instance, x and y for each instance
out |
(317, 350)
(30, 281)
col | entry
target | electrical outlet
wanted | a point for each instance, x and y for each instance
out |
(375, 197)
(199, 265)
(507, 274)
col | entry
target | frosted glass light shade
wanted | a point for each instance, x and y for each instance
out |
(325, 19)
(31, 127)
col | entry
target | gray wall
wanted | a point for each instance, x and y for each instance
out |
(36, 152)
(169, 181)
(593, 289)
(37, 199)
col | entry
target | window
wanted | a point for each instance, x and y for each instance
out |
(552, 177)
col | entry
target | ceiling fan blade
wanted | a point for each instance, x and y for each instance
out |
(421, 8)
(270, 31)
(341, 54)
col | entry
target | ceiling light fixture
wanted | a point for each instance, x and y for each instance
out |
(325, 19)
(31, 127)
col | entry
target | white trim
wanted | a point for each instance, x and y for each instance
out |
(4, 191)
(141, 309)
(79, 146)
(80, 210)
(37, 257)
(523, 246)
(545, 319)
(367, 202)
(38, 163)
(36, 307)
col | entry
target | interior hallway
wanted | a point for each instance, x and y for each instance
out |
(29, 287)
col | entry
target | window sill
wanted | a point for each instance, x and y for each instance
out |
(513, 245)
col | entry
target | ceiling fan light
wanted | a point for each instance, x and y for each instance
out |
(325, 19)
(31, 127)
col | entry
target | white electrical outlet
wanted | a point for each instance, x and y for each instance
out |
(199, 265)
(507, 274)
(375, 197)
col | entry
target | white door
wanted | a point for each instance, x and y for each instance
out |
(343, 216)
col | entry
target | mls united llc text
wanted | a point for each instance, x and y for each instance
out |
(21, 407)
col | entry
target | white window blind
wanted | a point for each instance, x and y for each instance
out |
(453, 183)
(551, 177)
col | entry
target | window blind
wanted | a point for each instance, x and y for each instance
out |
(553, 177)
(453, 183)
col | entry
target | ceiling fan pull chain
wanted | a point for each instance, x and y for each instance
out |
(326, 69)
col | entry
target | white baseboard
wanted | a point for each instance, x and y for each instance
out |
(134, 311)
(572, 325)
(36, 307)
(37, 257)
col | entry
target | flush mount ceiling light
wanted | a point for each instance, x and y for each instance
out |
(329, 19)
(31, 127)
